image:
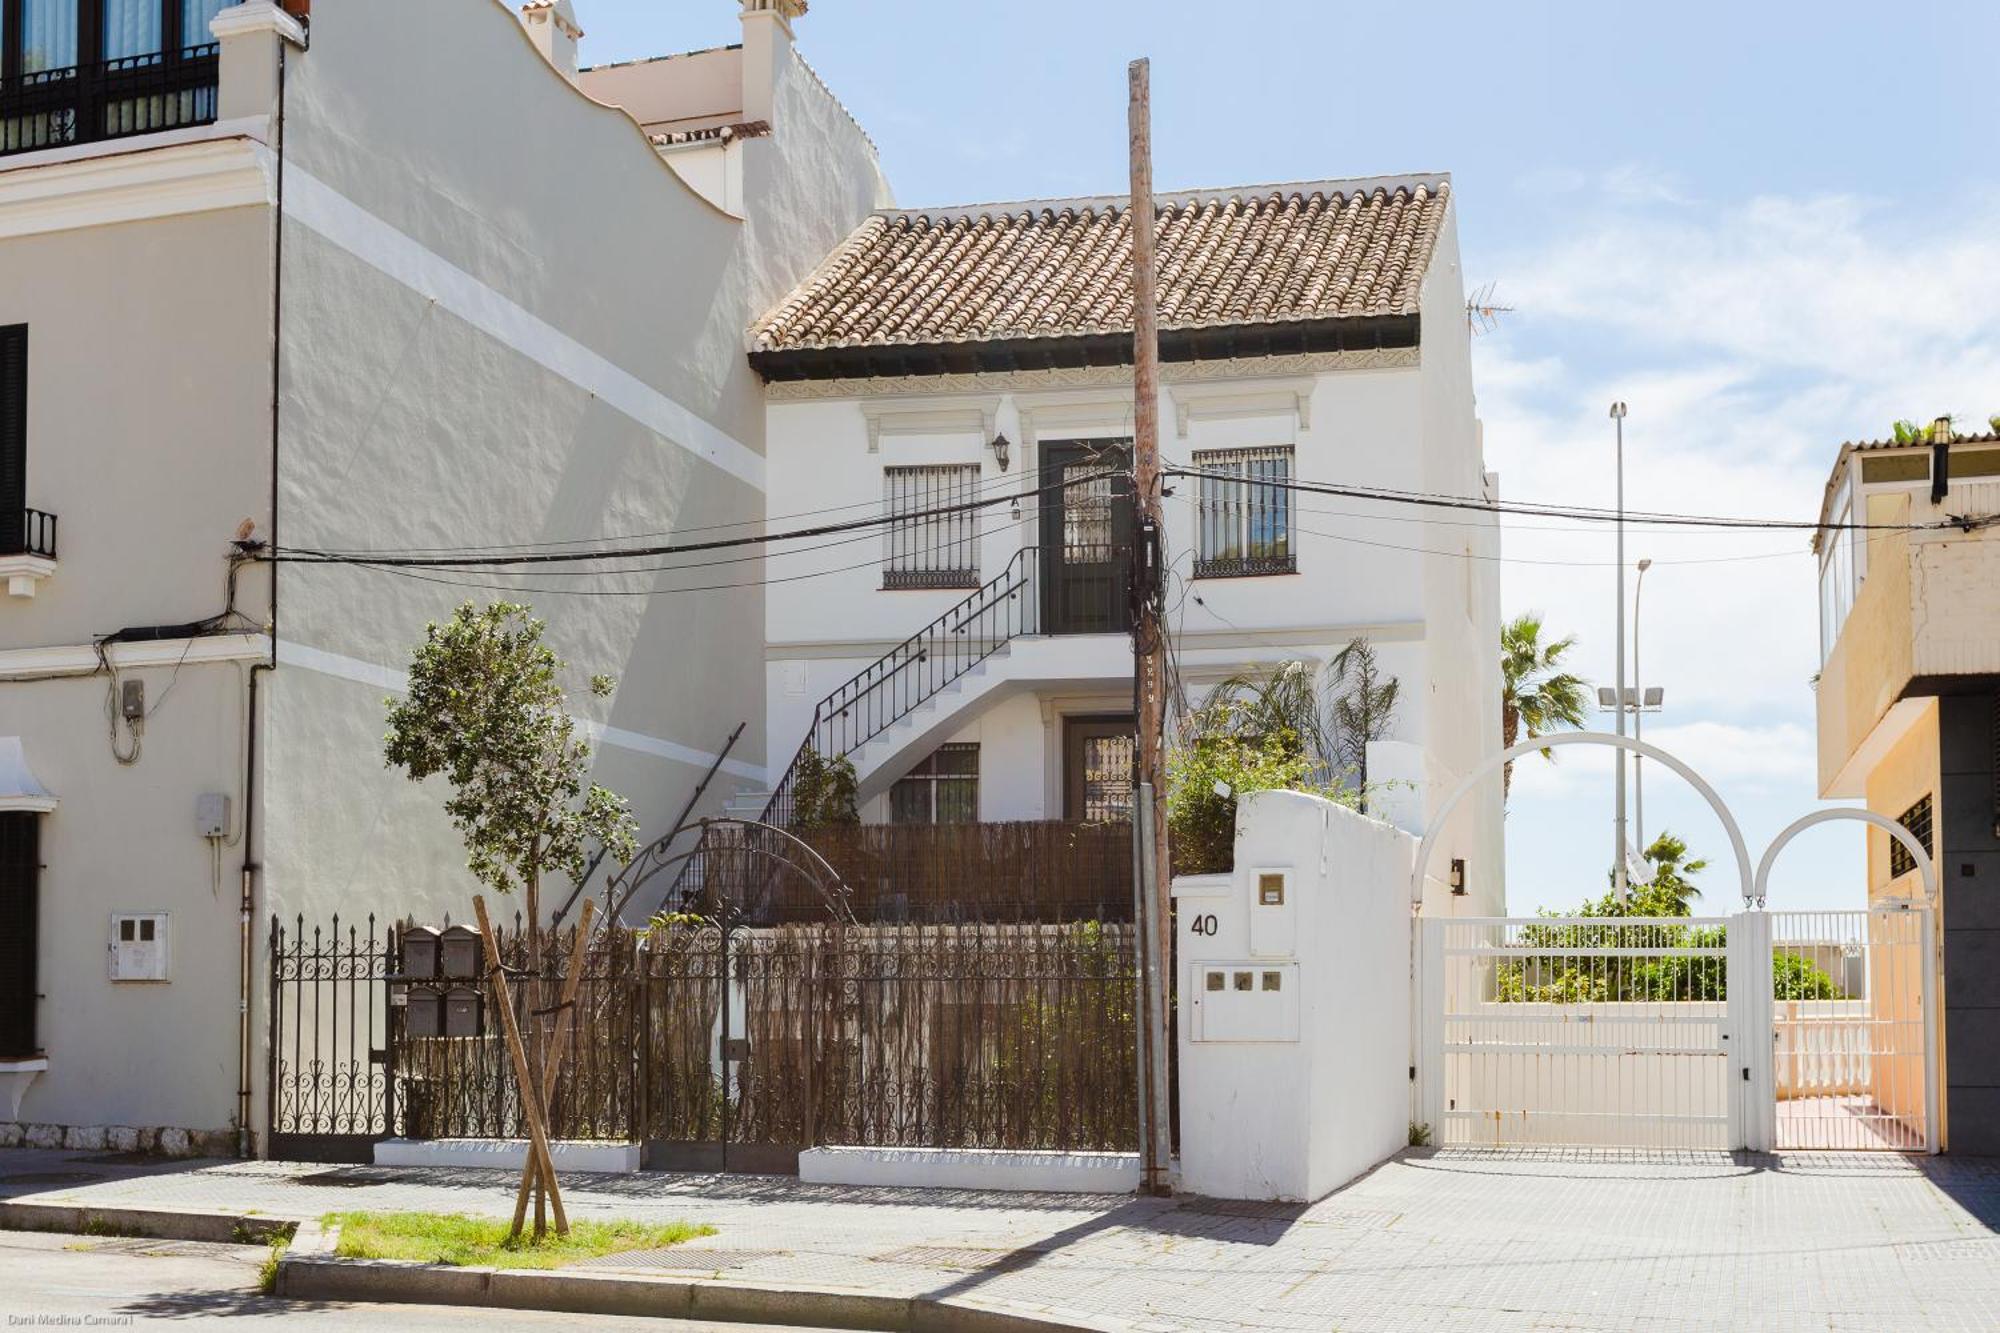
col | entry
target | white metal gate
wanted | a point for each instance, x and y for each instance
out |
(1851, 995)
(1625, 1031)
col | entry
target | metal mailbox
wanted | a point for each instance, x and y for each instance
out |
(460, 950)
(423, 1013)
(462, 1012)
(420, 952)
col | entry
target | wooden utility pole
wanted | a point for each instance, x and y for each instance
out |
(1149, 823)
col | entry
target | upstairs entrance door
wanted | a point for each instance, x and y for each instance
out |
(1087, 531)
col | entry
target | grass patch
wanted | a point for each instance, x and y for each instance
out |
(452, 1238)
(267, 1272)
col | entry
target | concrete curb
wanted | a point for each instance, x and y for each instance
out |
(163, 1223)
(310, 1270)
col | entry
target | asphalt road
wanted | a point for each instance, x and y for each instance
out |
(111, 1282)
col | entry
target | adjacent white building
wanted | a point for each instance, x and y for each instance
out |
(980, 356)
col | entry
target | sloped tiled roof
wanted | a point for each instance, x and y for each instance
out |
(1040, 269)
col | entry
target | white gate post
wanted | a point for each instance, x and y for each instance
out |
(1927, 935)
(1430, 1027)
(1752, 1034)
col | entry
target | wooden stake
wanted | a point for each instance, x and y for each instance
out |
(1148, 629)
(571, 983)
(538, 1136)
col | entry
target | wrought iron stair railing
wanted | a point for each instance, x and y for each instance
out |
(916, 671)
(895, 685)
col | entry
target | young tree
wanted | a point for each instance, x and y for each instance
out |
(1363, 707)
(486, 710)
(1536, 694)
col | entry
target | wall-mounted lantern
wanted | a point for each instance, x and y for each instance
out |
(1458, 875)
(1001, 451)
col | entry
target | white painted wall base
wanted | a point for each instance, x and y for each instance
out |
(973, 1169)
(569, 1154)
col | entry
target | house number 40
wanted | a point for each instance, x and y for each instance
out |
(1204, 924)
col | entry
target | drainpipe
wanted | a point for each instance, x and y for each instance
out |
(247, 905)
(246, 920)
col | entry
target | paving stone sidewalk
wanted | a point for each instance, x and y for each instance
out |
(1436, 1239)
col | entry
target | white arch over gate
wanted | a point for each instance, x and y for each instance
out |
(1894, 830)
(1486, 766)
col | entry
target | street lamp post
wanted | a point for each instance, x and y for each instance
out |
(1618, 839)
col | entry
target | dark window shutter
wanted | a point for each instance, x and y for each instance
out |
(13, 438)
(20, 889)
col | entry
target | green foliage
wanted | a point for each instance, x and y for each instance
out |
(1909, 432)
(824, 791)
(1993, 423)
(1537, 695)
(1205, 776)
(267, 1271)
(486, 711)
(1420, 1135)
(1363, 705)
(1562, 978)
(1057, 1035)
(452, 1238)
(1281, 700)
(1796, 978)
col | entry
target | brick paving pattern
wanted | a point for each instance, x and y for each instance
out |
(1457, 1239)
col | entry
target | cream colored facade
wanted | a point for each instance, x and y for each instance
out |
(1908, 700)
(502, 315)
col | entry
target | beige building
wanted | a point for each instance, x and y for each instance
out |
(390, 276)
(1909, 714)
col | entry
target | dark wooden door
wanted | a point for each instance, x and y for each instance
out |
(1097, 768)
(1087, 537)
(20, 873)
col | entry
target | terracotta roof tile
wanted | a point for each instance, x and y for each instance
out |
(1256, 255)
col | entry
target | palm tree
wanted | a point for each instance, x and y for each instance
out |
(1536, 695)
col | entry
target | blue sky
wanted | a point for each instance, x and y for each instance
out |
(1767, 227)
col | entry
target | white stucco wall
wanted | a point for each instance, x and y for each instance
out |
(1277, 1118)
(148, 411)
(609, 397)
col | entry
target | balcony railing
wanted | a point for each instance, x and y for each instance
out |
(28, 532)
(113, 99)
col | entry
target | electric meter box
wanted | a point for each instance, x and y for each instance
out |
(1249, 1001)
(139, 946)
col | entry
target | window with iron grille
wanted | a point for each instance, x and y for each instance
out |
(930, 550)
(943, 789)
(1243, 523)
(1917, 819)
(20, 875)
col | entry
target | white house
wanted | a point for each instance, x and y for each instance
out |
(1310, 332)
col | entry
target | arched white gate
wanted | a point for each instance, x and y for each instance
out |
(1754, 1030)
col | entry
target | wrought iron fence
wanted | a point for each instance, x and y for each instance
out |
(108, 100)
(331, 1087)
(935, 1035)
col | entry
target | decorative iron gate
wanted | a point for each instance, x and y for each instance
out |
(331, 1085)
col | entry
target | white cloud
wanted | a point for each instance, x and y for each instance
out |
(1749, 339)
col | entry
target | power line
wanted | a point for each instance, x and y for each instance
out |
(1527, 560)
(313, 555)
(986, 484)
(1431, 499)
(435, 577)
